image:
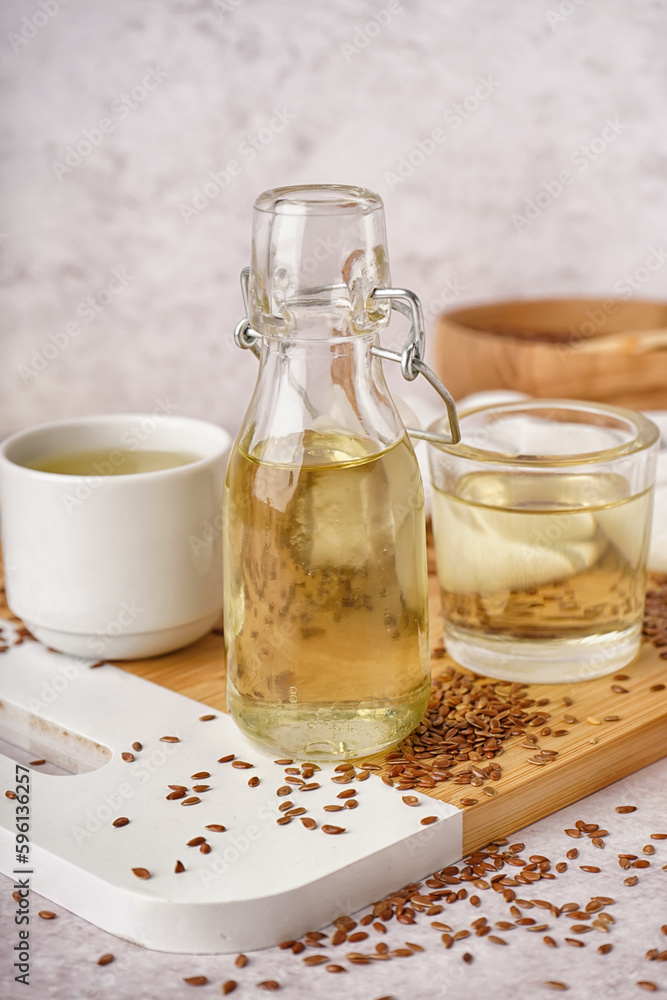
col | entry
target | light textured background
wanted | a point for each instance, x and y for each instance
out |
(359, 104)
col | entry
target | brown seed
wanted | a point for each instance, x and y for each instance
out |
(625, 809)
(170, 739)
(332, 829)
(347, 794)
(242, 765)
(332, 808)
(47, 914)
(658, 836)
(137, 746)
(205, 848)
(604, 949)
(201, 774)
(467, 802)
(141, 873)
(253, 782)
(36, 763)
(121, 821)
(216, 827)
(645, 984)
(427, 820)
(648, 849)
(555, 984)
(309, 824)
(226, 758)
(105, 959)
(178, 793)
(335, 968)
(229, 986)
(550, 941)
(572, 853)
(240, 961)
(612, 718)
(467, 958)
(196, 841)
(657, 687)
(206, 718)
(315, 959)
(200, 788)
(496, 940)
(191, 801)
(410, 800)
(561, 867)
(641, 863)
(284, 820)
(196, 980)
(269, 984)
(631, 880)
(127, 757)
(618, 689)
(589, 868)
(283, 790)
(363, 775)
(351, 804)
(179, 867)
(284, 761)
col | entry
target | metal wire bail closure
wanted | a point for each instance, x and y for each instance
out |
(410, 359)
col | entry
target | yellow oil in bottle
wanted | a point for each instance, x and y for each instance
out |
(326, 596)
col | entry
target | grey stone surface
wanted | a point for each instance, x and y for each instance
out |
(362, 85)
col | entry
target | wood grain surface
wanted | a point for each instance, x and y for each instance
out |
(590, 756)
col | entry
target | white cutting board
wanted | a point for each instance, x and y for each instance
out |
(260, 884)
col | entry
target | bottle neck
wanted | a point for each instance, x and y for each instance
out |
(331, 390)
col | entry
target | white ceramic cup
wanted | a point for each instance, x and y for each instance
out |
(115, 567)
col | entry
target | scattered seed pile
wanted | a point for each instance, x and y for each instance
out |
(464, 729)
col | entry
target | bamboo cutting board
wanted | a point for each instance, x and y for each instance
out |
(525, 793)
(589, 757)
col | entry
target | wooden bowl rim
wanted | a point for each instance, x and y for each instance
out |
(457, 317)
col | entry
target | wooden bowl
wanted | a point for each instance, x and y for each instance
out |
(604, 350)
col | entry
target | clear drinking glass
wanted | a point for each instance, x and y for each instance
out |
(326, 612)
(541, 518)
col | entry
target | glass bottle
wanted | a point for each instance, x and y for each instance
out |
(326, 610)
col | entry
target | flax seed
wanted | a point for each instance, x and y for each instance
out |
(604, 949)
(137, 746)
(141, 873)
(121, 821)
(269, 984)
(47, 915)
(105, 959)
(228, 987)
(427, 820)
(191, 801)
(332, 829)
(226, 758)
(216, 827)
(555, 984)
(170, 739)
(128, 757)
(196, 980)
(242, 765)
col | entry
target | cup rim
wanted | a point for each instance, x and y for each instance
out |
(225, 442)
(647, 435)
